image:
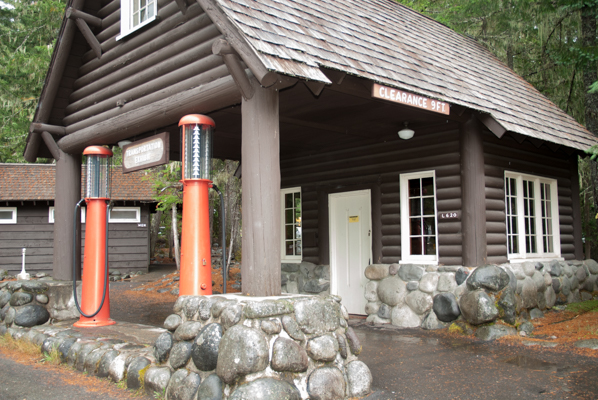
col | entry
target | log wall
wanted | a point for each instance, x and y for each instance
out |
(377, 167)
(165, 57)
(507, 154)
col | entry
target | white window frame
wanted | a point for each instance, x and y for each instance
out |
(137, 218)
(13, 220)
(51, 215)
(126, 18)
(522, 255)
(285, 258)
(406, 257)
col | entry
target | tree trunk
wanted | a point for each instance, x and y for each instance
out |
(588, 29)
(156, 218)
(175, 235)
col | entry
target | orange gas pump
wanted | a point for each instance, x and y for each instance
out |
(196, 261)
(95, 301)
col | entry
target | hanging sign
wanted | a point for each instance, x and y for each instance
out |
(354, 218)
(410, 99)
(146, 153)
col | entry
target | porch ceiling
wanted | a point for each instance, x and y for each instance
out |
(342, 116)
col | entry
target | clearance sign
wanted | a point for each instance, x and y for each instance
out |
(409, 99)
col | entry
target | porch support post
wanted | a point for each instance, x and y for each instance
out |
(576, 206)
(68, 193)
(473, 197)
(260, 157)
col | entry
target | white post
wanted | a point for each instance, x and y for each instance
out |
(23, 275)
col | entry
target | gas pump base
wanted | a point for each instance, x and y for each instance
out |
(92, 323)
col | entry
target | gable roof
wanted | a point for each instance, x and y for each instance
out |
(26, 182)
(391, 44)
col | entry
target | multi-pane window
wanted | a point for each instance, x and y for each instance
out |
(135, 14)
(532, 216)
(124, 214)
(419, 240)
(142, 11)
(291, 224)
(8, 215)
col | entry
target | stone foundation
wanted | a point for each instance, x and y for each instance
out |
(305, 278)
(410, 295)
(237, 347)
(34, 302)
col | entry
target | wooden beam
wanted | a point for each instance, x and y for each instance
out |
(237, 41)
(222, 48)
(576, 208)
(53, 129)
(74, 14)
(492, 124)
(204, 98)
(284, 82)
(89, 37)
(315, 87)
(335, 76)
(68, 193)
(141, 85)
(261, 193)
(53, 79)
(473, 197)
(51, 144)
(182, 5)
(132, 102)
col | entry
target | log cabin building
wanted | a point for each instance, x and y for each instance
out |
(318, 100)
(28, 219)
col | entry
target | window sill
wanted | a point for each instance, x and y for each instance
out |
(135, 29)
(291, 261)
(421, 262)
(518, 260)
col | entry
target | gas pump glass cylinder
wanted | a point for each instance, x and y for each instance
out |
(98, 172)
(197, 131)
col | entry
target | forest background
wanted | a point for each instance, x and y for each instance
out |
(550, 43)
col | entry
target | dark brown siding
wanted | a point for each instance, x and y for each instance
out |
(507, 154)
(377, 167)
(128, 243)
(31, 231)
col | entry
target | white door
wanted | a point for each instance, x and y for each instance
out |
(350, 246)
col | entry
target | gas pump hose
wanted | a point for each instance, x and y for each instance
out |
(223, 234)
(77, 208)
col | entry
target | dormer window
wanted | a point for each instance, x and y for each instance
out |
(135, 14)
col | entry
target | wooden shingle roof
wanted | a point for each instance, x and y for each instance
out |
(389, 43)
(26, 182)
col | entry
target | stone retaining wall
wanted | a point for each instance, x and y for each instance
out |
(34, 302)
(410, 295)
(237, 347)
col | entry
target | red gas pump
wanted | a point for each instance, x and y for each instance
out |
(95, 301)
(196, 261)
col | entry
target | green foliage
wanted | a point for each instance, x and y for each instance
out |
(540, 40)
(583, 307)
(166, 183)
(28, 33)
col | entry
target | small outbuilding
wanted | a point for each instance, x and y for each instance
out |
(367, 133)
(28, 219)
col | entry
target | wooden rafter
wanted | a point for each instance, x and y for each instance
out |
(222, 48)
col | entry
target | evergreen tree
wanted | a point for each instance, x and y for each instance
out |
(28, 32)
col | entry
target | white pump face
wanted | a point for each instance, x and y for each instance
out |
(198, 151)
(98, 176)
